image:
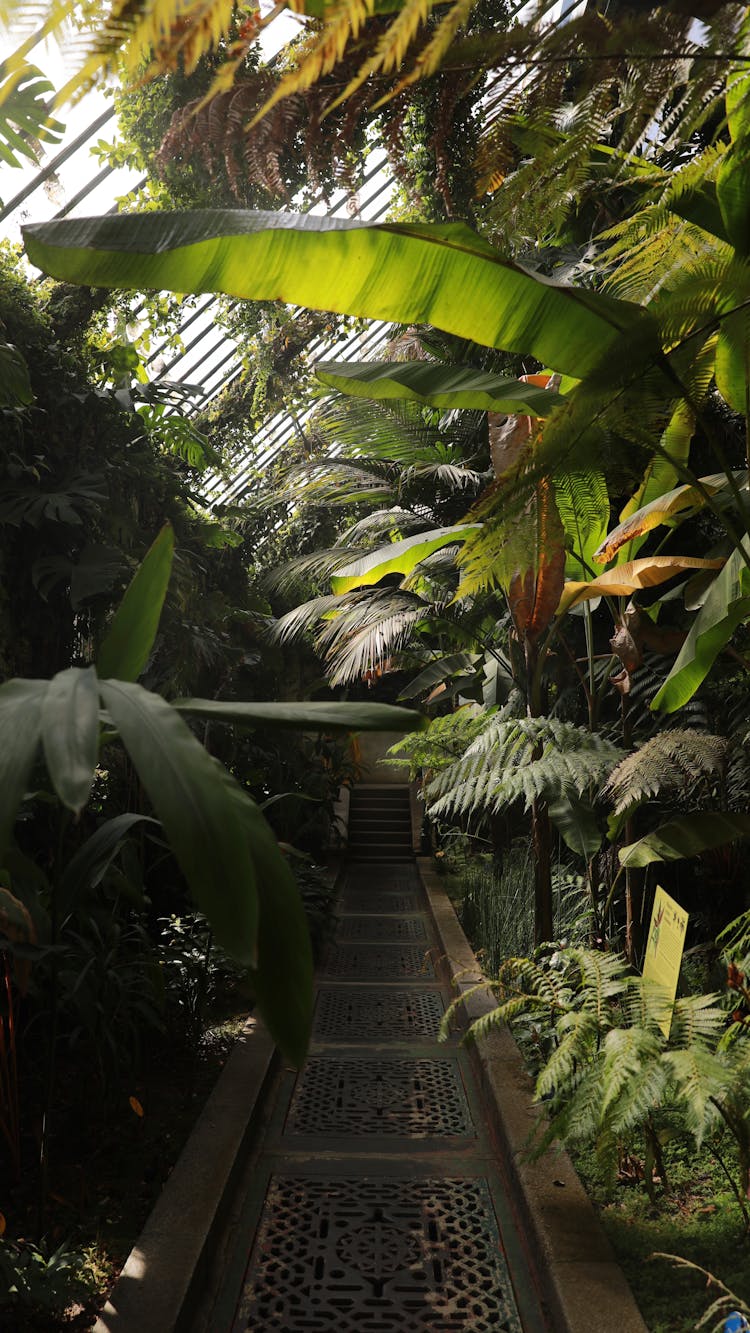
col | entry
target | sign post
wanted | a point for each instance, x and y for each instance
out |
(666, 941)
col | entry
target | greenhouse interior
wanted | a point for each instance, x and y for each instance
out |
(375, 662)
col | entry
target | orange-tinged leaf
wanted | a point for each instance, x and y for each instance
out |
(631, 577)
(661, 510)
(135, 1105)
(3, 1224)
(534, 593)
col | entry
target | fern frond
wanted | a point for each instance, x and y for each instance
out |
(699, 1079)
(672, 761)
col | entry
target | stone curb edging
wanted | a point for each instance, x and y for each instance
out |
(155, 1290)
(582, 1281)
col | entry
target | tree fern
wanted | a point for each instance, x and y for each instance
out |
(672, 762)
(521, 759)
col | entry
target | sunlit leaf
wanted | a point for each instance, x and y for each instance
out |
(441, 273)
(631, 577)
(437, 385)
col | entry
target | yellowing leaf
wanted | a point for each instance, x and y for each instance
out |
(135, 1106)
(661, 510)
(630, 578)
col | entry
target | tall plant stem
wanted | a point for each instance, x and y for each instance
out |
(541, 837)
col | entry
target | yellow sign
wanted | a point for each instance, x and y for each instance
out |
(666, 941)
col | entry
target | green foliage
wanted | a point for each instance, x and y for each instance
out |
(678, 762)
(520, 759)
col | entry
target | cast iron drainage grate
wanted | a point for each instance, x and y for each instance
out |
(385, 929)
(379, 1015)
(418, 1099)
(375, 962)
(380, 901)
(378, 1256)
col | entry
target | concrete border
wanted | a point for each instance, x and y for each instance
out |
(582, 1281)
(156, 1289)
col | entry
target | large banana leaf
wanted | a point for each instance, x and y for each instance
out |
(583, 506)
(440, 273)
(726, 606)
(308, 716)
(632, 577)
(399, 557)
(437, 385)
(659, 478)
(667, 508)
(680, 838)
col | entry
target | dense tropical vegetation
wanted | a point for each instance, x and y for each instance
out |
(529, 517)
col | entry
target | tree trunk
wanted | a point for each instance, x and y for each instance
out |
(541, 842)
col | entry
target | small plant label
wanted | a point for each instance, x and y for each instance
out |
(666, 941)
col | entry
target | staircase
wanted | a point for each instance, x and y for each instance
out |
(380, 824)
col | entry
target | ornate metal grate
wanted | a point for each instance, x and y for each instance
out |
(379, 901)
(377, 1256)
(382, 929)
(379, 962)
(420, 1099)
(377, 1015)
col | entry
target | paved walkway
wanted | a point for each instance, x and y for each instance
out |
(374, 1202)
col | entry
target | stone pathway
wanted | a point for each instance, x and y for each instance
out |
(375, 1203)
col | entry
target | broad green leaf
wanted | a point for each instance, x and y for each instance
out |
(194, 797)
(583, 506)
(437, 385)
(660, 476)
(283, 978)
(87, 867)
(131, 635)
(15, 385)
(70, 734)
(733, 358)
(733, 180)
(441, 273)
(726, 606)
(308, 716)
(578, 826)
(689, 836)
(436, 672)
(399, 557)
(21, 704)
(627, 579)
(680, 502)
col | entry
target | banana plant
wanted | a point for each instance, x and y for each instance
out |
(223, 845)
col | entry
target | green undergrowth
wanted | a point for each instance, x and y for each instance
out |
(697, 1219)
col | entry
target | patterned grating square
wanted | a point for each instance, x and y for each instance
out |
(377, 1256)
(379, 962)
(380, 901)
(391, 878)
(418, 1099)
(377, 1015)
(382, 929)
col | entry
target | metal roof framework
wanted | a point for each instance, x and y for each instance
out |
(209, 359)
